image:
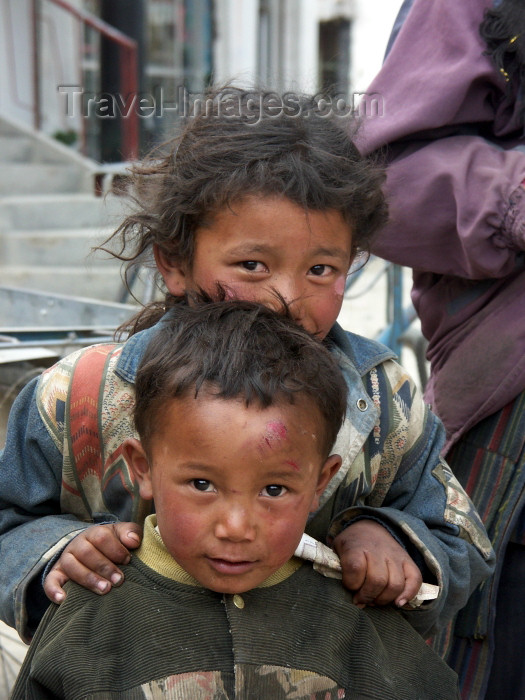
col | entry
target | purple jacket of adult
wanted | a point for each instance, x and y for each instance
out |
(456, 156)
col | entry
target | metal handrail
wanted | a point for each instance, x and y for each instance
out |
(128, 71)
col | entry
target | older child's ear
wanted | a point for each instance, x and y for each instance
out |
(138, 462)
(173, 274)
(330, 468)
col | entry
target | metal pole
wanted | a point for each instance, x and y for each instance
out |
(129, 17)
(35, 19)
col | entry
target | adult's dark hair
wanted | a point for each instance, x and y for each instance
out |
(237, 350)
(239, 143)
(503, 30)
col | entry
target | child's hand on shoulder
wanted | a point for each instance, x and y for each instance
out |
(90, 558)
(375, 566)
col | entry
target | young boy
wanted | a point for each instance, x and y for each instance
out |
(277, 205)
(237, 410)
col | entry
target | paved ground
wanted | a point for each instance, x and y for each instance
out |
(12, 651)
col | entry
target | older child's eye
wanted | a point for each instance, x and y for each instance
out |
(251, 265)
(202, 484)
(320, 270)
(273, 490)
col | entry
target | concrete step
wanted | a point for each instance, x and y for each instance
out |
(60, 211)
(7, 128)
(44, 149)
(15, 149)
(20, 148)
(50, 219)
(52, 246)
(39, 178)
(93, 281)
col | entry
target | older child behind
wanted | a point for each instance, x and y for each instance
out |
(237, 410)
(278, 203)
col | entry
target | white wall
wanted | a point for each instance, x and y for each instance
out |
(235, 49)
(373, 20)
(299, 64)
(295, 36)
(58, 64)
(16, 95)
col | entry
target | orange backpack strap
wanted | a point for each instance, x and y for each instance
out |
(97, 419)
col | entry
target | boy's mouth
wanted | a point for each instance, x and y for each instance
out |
(229, 566)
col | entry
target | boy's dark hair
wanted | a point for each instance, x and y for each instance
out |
(237, 350)
(241, 143)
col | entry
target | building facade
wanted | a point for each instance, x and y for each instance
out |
(60, 72)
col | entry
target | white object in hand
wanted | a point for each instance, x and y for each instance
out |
(327, 563)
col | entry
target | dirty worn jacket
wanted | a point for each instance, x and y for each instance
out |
(161, 635)
(389, 443)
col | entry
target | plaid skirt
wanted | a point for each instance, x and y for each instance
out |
(489, 461)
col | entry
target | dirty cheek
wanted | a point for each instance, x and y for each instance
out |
(230, 293)
(339, 286)
(280, 524)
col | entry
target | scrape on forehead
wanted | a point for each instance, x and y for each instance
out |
(275, 431)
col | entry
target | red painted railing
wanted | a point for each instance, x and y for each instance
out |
(128, 71)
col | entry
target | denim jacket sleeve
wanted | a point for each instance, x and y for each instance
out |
(393, 473)
(32, 529)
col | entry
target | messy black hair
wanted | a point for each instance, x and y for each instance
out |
(503, 30)
(237, 350)
(239, 143)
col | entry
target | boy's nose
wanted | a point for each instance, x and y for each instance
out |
(235, 523)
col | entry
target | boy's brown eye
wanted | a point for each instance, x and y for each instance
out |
(250, 265)
(274, 490)
(202, 484)
(318, 269)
